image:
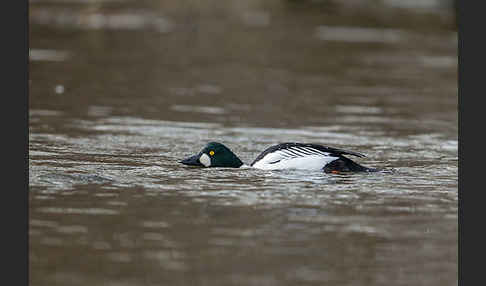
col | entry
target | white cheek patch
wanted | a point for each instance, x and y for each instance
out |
(205, 160)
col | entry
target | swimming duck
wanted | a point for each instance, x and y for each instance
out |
(301, 156)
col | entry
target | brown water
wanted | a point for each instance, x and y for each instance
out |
(122, 90)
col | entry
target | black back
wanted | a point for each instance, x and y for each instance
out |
(330, 150)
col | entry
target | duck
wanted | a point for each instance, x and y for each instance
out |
(283, 156)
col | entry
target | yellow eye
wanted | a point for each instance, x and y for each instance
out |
(211, 152)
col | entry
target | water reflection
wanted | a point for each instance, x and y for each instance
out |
(47, 55)
(359, 35)
(68, 19)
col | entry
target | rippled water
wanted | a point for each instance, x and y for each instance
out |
(120, 91)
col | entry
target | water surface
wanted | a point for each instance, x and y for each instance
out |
(120, 91)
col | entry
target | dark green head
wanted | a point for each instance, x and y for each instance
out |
(214, 154)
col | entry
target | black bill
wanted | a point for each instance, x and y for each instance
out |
(192, 161)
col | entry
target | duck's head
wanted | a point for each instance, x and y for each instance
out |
(214, 154)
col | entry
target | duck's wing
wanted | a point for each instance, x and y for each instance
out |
(285, 151)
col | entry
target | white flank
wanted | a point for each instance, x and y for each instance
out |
(293, 159)
(205, 160)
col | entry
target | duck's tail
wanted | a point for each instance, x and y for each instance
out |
(344, 164)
